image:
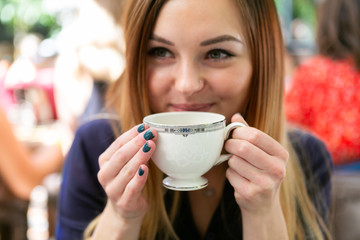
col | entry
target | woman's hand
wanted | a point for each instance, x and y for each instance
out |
(123, 171)
(256, 169)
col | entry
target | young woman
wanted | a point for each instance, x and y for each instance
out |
(198, 55)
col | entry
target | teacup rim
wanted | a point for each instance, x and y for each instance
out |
(146, 121)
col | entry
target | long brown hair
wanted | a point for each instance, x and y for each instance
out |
(338, 30)
(128, 98)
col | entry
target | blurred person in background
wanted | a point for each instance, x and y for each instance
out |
(90, 57)
(21, 169)
(324, 94)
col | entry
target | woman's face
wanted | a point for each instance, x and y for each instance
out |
(197, 58)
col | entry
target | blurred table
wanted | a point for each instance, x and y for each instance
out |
(35, 136)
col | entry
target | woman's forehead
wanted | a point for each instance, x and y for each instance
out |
(194, 18)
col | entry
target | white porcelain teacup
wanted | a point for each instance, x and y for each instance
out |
(189, 144)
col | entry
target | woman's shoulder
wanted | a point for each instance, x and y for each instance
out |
(79, 178)
(102, 121)
(314, 157)
(92, 138)
(309, 147)
(304, 138)
(95, 135)
(316, 162)
(97, 129)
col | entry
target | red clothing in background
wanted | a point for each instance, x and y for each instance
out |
(324, 97)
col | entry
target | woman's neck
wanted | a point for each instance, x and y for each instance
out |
(205, 201)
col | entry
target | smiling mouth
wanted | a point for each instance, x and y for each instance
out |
(191, 107)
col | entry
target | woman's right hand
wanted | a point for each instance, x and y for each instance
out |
(123, 171)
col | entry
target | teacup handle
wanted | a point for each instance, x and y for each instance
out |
(227, 131)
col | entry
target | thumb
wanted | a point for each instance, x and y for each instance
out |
(238, 118)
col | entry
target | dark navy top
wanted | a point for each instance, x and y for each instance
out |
(82, 198)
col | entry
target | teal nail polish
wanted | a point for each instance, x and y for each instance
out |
(148, 135)
(146, 148)
(141, 128)
(140, 172)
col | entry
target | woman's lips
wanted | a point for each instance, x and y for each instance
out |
(191, 107)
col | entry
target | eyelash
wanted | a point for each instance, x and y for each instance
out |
(155, 52)
(224, 55)
(222, 52)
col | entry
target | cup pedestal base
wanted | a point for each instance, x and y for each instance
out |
(185, 184)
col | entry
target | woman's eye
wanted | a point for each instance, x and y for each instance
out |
(219, 54)
(160, 52)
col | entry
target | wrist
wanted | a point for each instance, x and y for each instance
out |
(126, 222)
(268, 225)
(113, 226)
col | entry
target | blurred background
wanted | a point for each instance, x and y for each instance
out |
(34, 32)
(29, 30)
(56, 60)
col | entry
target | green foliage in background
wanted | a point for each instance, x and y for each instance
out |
(303, 9)
(25, 16)
(306, 10)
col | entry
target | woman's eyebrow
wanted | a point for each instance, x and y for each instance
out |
(218, 39)
(162, 40)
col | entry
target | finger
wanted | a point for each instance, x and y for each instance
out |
(238, 118)
(238, 182)
(251, 153)
(261, 140)
(120, 182)
(243, 168)
(255, 162)
(122, 155)
(120, 141)
(142, 157)
(133, 190)
(132, 204)
(247, 195)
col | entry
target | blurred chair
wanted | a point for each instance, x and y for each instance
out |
(13, 222)
(14, 212)
(346, 205)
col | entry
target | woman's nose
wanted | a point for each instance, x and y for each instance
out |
(188, 79)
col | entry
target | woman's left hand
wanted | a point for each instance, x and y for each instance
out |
(256, 169)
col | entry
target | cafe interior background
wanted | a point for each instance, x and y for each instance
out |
(33, 33)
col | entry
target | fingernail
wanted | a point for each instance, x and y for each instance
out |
(146, 148)
(140, 172)
(141, 128)
(148, 135)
